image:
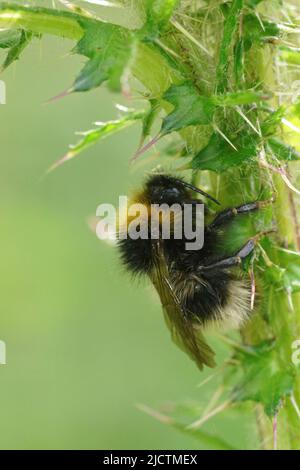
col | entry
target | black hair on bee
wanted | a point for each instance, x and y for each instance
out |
(196, 287)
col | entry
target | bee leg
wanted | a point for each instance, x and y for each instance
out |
(222, 264)
(240, 255)
(229, 214)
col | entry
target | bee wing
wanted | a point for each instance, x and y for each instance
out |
(185, 334)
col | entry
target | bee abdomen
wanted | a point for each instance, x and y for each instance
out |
(224, 301)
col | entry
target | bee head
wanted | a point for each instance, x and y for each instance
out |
(165, 189)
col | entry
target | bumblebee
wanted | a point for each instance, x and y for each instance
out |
(196, 287)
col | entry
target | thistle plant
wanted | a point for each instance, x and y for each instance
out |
(220, 81)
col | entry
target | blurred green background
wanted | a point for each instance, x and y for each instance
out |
(84, 343)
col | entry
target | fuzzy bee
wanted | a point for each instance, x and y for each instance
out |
(196, 287)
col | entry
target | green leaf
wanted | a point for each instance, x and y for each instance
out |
(110, 49)
(230, 27)
(267, 379)
(283, 151)
(103, 130)
(192, 109)
(189, 108)
(10, 38)
(219, 155)
(158, 14)
(17, 48)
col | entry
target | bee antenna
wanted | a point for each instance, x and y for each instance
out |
(197, 190)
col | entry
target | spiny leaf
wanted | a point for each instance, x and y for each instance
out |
(219, 155)
(190, 108)
(95, 37)
(283, 151)
(104, 129)
(266, 378)
(109, 48)
(17, 48)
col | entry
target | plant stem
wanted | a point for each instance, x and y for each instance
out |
(41, 21)
(282, 323)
